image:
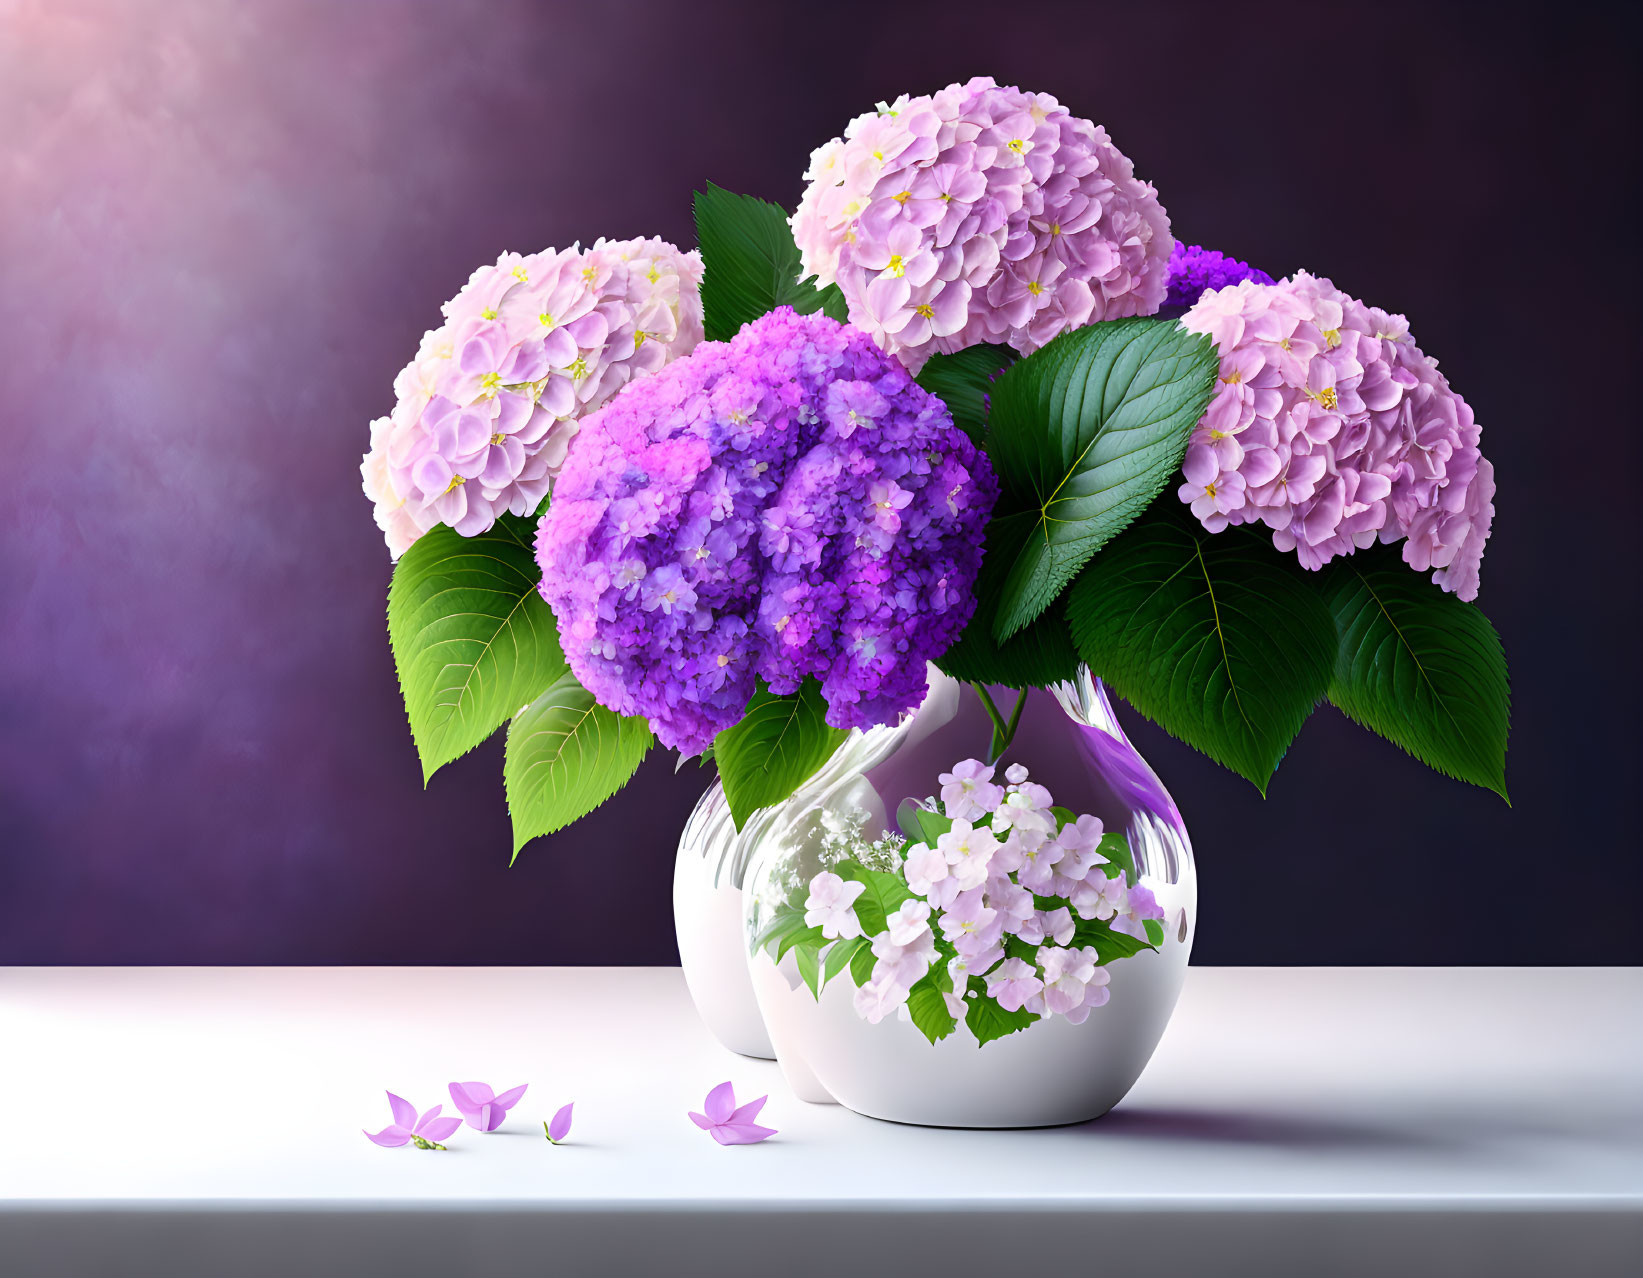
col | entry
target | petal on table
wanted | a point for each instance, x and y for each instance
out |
(403, 1111)
(439, 1129)
(559, 1128)
(720, 1103)
(510, 1098)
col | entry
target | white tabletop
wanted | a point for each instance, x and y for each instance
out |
(207, 1120)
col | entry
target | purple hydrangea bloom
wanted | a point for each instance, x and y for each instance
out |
(1194, 269)
(788, 504)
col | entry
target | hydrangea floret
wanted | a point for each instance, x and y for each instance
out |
(487, 409)
(1331, 427)
(783, 506)
(1006, 900)
(1195, 270)
(980, 214)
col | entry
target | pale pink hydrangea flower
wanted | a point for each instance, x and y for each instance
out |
(969, 851)
(1014, 983)
(980, 214)
(1056, 925)
(968, 792)
(831, 906)
(1331, 427)
(926, 870)
(970, 924)
(1099, 897)
(1073, 983)
(488, 407)
(1139, 906)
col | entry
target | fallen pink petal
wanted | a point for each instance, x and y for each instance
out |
(427, 1131)
(728, 1124)
(559, 1128)
(483, 1109)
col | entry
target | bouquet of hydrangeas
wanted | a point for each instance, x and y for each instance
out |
(970, 404)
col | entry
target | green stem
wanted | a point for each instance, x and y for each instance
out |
(1015, 719)
(1003, 732)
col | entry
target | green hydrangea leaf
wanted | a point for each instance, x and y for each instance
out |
(1418, 666)
(883, 895)
(842, 954)
(987, 1020)
(1084, 434)
(963, 381)
(1109, 945)
(472, 638)
(929, 1009)
(1216, 637)
(566, 755)
(808, 957)
(777, 746)
(751, 264)
(1040, 655)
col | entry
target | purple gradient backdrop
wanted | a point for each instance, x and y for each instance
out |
(224, 226)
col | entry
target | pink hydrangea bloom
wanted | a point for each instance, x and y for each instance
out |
(980, 214)
(1331, 428)
(488, 407)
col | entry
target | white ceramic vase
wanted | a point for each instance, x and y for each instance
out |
(1052, 1072)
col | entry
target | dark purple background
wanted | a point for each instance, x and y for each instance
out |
(224, 226)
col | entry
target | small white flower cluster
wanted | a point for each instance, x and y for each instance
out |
(977, 884)
(842, 839)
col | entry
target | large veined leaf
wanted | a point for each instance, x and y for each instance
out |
(1419, 667)
(1084, 433)
(1039, 655)
(750, 264)
(566, 755)
(776, 748)
(1215, 636)
(964, 381)
(473, 640)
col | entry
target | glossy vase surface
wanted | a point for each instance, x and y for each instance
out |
(1053, 1071)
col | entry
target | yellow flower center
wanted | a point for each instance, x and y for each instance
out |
(946, 199)
(638, 339)
(519, 274)
(901, 197)
(545, 319)
(490, 382)
(1328, 398)
(456, 482)
(498, 438)
(1284, 342)
(653, 274)
(488, 313)
(588, 273)
(1034, 287)
(879, 156)
(1055, 228)
(1332, 338)
(1209, 490)
(724, 660)
(897, 266)
(1019, 145)
(782, 624)
(924, 309)
(579, 367)
(1237, 376)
